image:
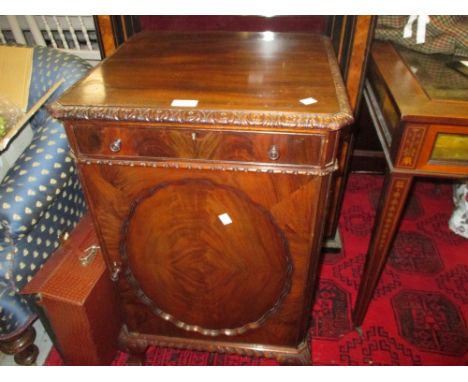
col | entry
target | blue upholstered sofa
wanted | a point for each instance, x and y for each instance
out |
(40, 200)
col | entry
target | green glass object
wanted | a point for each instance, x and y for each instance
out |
(450, 147)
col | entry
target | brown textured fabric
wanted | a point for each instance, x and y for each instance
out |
(444, 34)
(79, 301)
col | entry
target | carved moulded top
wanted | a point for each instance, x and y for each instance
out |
(235, 79)
(203, 117)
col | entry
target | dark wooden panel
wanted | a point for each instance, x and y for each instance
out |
(361, 39)
(106, 33)
(352, 45)
(315, 24)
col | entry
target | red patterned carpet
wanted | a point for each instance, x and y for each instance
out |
(420, 310)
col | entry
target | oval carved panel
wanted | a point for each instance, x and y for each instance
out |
(205, 257)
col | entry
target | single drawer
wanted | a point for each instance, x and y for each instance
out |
(156, 142)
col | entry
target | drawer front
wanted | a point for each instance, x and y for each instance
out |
(439, 149)
(152, 142)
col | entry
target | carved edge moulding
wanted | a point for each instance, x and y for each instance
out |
(137, 343)
(333, 121)
(226, 166)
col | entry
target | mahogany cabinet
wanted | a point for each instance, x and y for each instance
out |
(206, 159)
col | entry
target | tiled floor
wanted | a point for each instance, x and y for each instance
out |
(42, 342)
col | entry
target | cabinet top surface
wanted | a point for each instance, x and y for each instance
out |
(288, 80)
(423, 86)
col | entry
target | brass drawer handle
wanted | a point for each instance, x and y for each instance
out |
(115, 271)
(116, 145)
(273, 153)
(89, 255)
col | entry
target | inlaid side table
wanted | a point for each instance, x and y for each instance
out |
(419, 108)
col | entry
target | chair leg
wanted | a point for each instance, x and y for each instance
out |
(22, 347)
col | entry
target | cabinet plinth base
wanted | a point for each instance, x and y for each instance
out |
(136, 344)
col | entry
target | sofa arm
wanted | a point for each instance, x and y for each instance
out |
(38, 176)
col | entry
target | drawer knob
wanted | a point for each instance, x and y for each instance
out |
(116, 145)
(273, 153)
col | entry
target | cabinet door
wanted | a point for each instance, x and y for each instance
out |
(223, 254)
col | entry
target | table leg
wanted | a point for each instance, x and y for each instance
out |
(391, 205)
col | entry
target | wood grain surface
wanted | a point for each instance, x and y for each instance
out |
(195, 249)
(163, 142)
(237, 78)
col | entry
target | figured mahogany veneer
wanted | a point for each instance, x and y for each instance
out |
(201, 245)
(164, 142)
(211, 217)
